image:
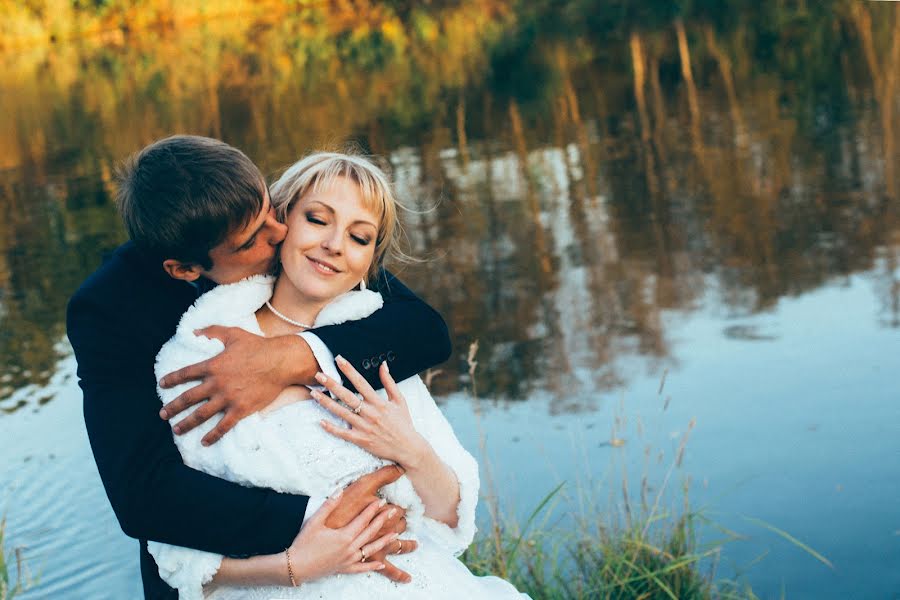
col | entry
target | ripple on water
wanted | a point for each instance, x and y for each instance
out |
(56, 507)
(72, 542)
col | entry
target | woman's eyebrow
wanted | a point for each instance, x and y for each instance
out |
(322, 204)
(332, 211)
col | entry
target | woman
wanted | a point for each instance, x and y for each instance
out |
(342, 222)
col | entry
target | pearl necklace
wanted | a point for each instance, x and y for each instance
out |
(285, 318)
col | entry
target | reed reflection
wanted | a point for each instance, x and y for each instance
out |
(575, 178)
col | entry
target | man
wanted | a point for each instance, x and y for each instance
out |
(194, 188)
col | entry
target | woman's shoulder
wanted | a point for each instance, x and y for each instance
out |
(233, 302)
(227, 304)
(351, 306)
(232, 305)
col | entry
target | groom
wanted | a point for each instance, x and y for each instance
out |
(123, 313)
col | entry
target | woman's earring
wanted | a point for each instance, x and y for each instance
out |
(362, 285)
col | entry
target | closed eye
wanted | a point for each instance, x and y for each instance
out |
(314, 220)
(361, 240)
(249, 244)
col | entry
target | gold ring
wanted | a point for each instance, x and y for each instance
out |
(399, 547)
(359, 406)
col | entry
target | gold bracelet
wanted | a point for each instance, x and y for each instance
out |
(287, 552)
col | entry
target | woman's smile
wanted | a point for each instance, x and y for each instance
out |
(323, 267)
(328, 250)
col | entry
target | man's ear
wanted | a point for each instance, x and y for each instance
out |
(179, 270)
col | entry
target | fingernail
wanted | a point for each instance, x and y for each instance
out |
(382, 503)
(379, 567)
(162, 382)
(322, 423)
(394, 536)
(340, 359)
(162, 413)
(321, 378)
(204, 443)
(177, 430)
(387, 369)
(392, 512)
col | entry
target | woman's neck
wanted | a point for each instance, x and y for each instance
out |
(288, 311)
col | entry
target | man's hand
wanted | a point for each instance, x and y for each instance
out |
(244, 378)
(360, 494)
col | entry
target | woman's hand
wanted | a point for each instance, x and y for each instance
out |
(385, 429)
(346, 528)
(319, 551)
(381, 426)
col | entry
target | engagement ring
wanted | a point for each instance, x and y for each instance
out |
(360, 405)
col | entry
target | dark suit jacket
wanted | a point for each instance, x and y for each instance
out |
(117, 322)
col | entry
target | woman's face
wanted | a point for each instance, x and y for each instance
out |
(330, 242)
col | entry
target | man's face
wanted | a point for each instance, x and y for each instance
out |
(248, 251)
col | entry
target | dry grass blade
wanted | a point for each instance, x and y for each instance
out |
(791, 539)
(8, 590)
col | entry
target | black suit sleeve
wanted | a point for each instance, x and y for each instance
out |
(154, 495)
(406, 332)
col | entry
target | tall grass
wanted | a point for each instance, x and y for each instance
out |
(594, 558)
(10, 588)
(645, 553)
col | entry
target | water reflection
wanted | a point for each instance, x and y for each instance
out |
(575, 177)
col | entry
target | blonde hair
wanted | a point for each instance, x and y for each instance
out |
(318, 171)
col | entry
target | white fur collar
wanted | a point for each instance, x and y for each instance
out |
(231, 304)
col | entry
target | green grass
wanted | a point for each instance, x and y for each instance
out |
(653, 557)
(644, 554)
(10, 588)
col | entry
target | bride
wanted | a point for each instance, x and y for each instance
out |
(342, 223)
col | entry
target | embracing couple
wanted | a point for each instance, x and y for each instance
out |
(308, 459)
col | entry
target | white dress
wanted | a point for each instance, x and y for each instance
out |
(288, 451)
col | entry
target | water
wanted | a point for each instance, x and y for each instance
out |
(598, 220)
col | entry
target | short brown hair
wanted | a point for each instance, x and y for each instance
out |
(181, 196)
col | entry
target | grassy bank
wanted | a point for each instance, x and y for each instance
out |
(633, 551)
(651, 557)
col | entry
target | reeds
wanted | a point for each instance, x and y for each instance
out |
(646, 554)
(592, 557)
(11, 589)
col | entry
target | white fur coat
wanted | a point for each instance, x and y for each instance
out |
(288, 451)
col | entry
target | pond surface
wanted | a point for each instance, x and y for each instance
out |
(644, 252)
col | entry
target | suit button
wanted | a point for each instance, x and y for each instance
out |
(366, 364)
(391, 356)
